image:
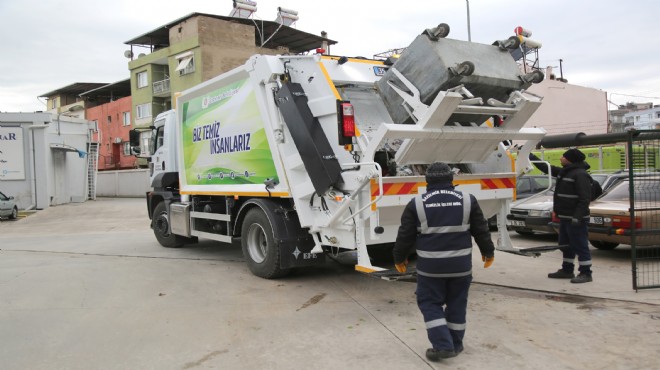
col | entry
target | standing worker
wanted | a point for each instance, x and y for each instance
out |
(440, 224)
(571, 205)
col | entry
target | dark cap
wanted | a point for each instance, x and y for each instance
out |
(574, 155)
(439, 172)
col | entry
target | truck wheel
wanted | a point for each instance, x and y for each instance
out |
(261, 251)
(14, 214)
(161, 226)
(605, 246)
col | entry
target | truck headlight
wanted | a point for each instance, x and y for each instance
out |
(537, 213)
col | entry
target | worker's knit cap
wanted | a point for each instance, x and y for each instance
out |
(574, 155)
(439, 172)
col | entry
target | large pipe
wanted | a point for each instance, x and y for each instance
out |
(581, 139)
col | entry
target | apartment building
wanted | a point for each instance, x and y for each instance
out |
(196, 48)
(112, 119)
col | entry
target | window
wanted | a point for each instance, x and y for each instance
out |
(127, 118)
(53, 103)
(186, 63)
(127, 148)
(109, 119)
(142, 80)
(657, 115)
(143, 110)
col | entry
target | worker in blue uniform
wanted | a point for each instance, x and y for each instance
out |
(439, 226)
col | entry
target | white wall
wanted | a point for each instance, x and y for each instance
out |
(124, 183)
(569, 108)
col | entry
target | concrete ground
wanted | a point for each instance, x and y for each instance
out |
(86, 286)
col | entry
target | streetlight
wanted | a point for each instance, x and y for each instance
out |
(73, 108)
(467, 3)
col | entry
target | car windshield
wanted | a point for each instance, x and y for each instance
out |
(646, 189)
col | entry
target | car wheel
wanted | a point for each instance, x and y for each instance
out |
(260, 250)
(161, 226)
(526, 233)
(14, 214)
(606, 246)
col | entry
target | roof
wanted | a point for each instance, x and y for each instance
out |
(116, 90)
(74, 89)
(275, 34)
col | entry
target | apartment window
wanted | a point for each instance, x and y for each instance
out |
(53, 103)
(657, 115)
(143, 110)
(186, 63)
(636, 118)
(109, 119)
(142, 80)
(127, 118)
(127, 148)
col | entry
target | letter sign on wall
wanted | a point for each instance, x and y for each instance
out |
(12, 166)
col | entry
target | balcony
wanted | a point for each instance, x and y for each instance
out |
(162, 88)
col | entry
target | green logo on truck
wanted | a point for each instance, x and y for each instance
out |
(224, 141)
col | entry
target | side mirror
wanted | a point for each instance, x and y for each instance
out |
(134, 137)
(135, 150)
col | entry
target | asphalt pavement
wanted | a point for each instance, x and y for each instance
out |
(86, 286)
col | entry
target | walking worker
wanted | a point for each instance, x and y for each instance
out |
(439, 224)
(571, 205)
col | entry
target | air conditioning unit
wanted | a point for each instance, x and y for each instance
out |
(117, 140)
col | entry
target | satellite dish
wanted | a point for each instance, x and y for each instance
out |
(141, 55)
(128, 54)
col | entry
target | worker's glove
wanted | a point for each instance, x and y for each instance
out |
(488, 261)
(401, 267)
(575, 221)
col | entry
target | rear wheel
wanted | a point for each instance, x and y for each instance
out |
(261, 251)
(14, 214)
(606, 246)
(161, 226)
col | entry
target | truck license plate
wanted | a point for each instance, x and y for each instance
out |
(596, 220)
(380, 71)
(517, 223)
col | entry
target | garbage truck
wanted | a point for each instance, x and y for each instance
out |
(304, 157)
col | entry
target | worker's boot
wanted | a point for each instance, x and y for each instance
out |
(561, 274)
(582, 278)
(438, 354)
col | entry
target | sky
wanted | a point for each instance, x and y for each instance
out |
(608, 45)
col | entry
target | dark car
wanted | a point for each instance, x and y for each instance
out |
(8, 207)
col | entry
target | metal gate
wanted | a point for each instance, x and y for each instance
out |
(644, 182)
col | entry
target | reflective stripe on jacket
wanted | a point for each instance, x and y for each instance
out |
(444, 243)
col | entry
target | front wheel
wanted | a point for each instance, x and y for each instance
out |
(161, 226)
(260, 250)
(606, 246)
(14, 214)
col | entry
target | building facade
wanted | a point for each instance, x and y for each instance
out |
(196, 48)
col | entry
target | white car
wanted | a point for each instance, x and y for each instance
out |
(8, 207)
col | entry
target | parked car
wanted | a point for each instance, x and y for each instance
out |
(533, 214)
(610, 223)
(527, 186)
(8, 207)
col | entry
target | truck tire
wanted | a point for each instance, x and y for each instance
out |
(261, 251)
(14, 214)
(161, 226)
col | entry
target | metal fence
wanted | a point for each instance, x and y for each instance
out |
(644, 190)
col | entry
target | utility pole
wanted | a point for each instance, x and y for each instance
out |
(467, 2)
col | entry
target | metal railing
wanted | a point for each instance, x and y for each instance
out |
(644, 149)
(161, 87)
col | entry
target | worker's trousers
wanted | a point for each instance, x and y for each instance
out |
(443, 302)
(575, 237)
